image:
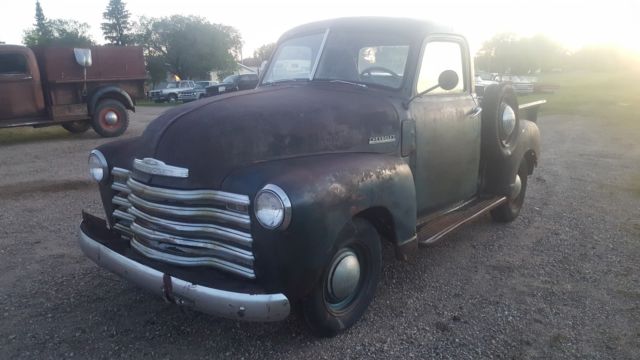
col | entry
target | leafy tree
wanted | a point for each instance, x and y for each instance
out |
(116, 28)
(188, 46)
(40, 34)
(64, 32)
(264, 52)
(507, 53)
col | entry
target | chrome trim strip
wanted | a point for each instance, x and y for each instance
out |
(123, 215)
(120, 201)
(192, 261)
(215, 231)
(120, 172)
(230, 252)
(198, 213)
(120, 187)
(220, 197)
(232, 305)
(123, 228)
(157, 167)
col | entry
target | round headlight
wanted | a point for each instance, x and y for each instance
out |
(98, 168)
(272, 207)
(508, 120)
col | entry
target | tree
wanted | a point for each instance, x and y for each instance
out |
(63, 32)
(188, 46)
(507, 53)
(116, 28)
(40, 34)
(264, 52)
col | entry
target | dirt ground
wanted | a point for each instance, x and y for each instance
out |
(562, 281)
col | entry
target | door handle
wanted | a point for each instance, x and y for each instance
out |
(474, 112)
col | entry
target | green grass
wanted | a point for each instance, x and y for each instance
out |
(612, 96)
(28, 134)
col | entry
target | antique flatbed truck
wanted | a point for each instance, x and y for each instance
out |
(75, 88)
(361, 129)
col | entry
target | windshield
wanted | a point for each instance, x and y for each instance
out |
(172, 85)
(364, 58)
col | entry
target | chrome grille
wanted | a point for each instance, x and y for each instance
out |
(184, 227)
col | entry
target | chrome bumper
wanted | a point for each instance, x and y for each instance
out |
(231, 305)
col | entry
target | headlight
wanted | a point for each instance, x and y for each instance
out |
(272, 207)
(98, 167)
(508, 120)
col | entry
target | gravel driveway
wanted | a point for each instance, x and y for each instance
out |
(562, 281)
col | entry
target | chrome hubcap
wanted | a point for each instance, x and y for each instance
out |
(345, 275)
(516, 187)
(111, 117)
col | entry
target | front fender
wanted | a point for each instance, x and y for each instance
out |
(326, 192)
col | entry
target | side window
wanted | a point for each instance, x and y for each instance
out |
(13, 64)
(440, 56)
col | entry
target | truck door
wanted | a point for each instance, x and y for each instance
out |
(447, 128)
(19, 85)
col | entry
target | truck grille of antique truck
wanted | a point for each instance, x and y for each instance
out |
(184, 227)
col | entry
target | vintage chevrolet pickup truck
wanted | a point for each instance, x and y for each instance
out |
(361, 130)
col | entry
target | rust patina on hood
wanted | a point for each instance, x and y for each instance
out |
(213, 137)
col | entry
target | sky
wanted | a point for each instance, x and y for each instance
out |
(572, 23)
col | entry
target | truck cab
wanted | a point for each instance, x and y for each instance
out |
(75, 88)
(361, 130)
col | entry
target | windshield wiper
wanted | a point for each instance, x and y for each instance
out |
(349, 82)
(274, 82)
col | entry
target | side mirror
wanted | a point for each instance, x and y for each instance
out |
(448, 80)
(83, 57)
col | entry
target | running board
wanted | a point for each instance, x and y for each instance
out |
(437, 228)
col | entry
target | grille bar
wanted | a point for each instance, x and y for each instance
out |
(184, 227)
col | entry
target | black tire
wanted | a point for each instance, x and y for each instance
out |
(77, 127)
(172, 98)
(495, 143)
(327, 316)
(104, 125)
(510, 210)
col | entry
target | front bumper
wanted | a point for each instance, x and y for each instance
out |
(227, 304)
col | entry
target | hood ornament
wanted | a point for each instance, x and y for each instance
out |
(156, 167)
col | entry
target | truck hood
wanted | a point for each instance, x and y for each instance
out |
(214, 136)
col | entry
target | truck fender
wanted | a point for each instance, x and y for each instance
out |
(326, 192)
(109, 92)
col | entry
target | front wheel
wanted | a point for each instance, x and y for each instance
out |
(110, 118)
(348, 282)
(510, 210)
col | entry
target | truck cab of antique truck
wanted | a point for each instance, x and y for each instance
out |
(361, 130)
(75, 88)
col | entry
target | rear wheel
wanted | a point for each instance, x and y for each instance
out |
(77, 127)
(348, 282)
(110, 118)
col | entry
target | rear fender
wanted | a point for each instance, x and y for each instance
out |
(109, 92)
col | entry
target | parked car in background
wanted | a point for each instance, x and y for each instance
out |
(75, 88)
(234, 83)
(169, 92)
(197, 92)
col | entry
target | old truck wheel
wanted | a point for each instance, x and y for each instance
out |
(510, 210)
(77, 127)
(110, 118)
(348, 282)
(173, 98)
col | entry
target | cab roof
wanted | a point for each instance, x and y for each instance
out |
(406, 26)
